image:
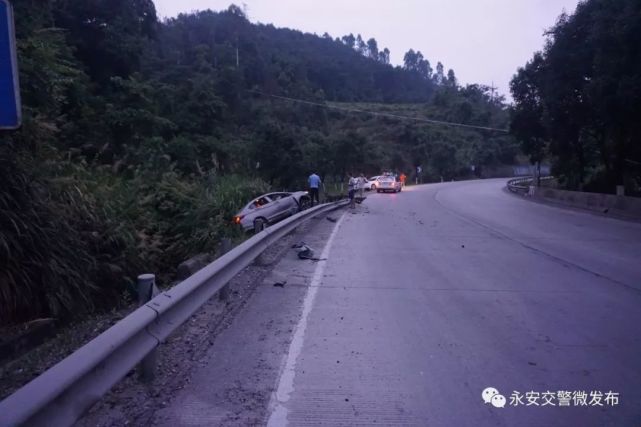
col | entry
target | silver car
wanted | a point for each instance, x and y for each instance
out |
(270, 208)
(388, 183)
(372, 183)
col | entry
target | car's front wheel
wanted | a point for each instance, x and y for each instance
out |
(304, 203)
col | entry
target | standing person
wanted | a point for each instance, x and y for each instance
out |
(402, 178)
(361, 185)
(314, 183)
(352, 183)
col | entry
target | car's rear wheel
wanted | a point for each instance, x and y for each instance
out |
(378, 191)
(259, 225)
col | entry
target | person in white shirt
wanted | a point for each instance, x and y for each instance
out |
(361, 185)
(352, 184)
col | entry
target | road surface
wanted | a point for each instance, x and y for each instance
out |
(427, 298)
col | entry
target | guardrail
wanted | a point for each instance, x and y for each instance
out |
(517, 185)
(522, 185)
(62, 394)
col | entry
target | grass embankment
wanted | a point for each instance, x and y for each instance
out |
(74, 238)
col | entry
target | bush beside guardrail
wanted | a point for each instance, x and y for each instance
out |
(62, 394)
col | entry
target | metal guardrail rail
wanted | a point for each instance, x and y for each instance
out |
(521, 185)
(517, 185)
(62, 394)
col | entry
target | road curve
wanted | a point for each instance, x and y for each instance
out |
(443, 290)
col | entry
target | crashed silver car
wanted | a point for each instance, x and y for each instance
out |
(270, 208)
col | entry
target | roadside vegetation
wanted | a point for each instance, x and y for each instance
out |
(578, 101)
(141, 138)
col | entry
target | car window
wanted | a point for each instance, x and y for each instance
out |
(259, 202)
(276, 196)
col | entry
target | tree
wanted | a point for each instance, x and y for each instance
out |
(414, 61)
(109, 35)
(372, 48)
(361, 46)
(383, 56)
(451, 79)
(349, 40)
(410, 60)
(423, 67)
(589, 92)
(439, 77)
(528, 113)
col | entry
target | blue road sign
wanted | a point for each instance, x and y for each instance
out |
(10, 113)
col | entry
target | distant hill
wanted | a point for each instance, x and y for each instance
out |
(142, 138)
(291, 62)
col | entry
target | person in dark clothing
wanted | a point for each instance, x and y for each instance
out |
(314, 183)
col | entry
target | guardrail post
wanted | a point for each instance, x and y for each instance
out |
(225, 246)
(146, 291)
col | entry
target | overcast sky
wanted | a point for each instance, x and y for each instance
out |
(484, 41)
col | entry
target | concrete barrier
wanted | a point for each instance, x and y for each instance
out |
(629, 207)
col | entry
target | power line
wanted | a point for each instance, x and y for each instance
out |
(376, 113)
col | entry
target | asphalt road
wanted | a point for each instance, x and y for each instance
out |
(432, 295)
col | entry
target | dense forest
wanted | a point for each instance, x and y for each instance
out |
(141, 138)
(578, 102)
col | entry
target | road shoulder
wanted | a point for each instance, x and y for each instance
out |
(221, 367)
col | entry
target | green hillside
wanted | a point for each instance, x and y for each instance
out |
(141, 138)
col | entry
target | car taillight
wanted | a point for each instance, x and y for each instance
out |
(237, 219)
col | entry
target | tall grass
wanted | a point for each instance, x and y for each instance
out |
(74, 237)
(45, 252)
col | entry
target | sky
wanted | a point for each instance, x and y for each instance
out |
(483, 41)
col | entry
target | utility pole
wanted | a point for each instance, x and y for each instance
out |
(237, 57)
(492, 88)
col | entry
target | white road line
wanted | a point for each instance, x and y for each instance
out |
(278, 416)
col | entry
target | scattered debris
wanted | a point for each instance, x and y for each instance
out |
(280, 284)
(298, 245)
(463, 246)
(305, 252)
(331, 219)
(606, 210)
